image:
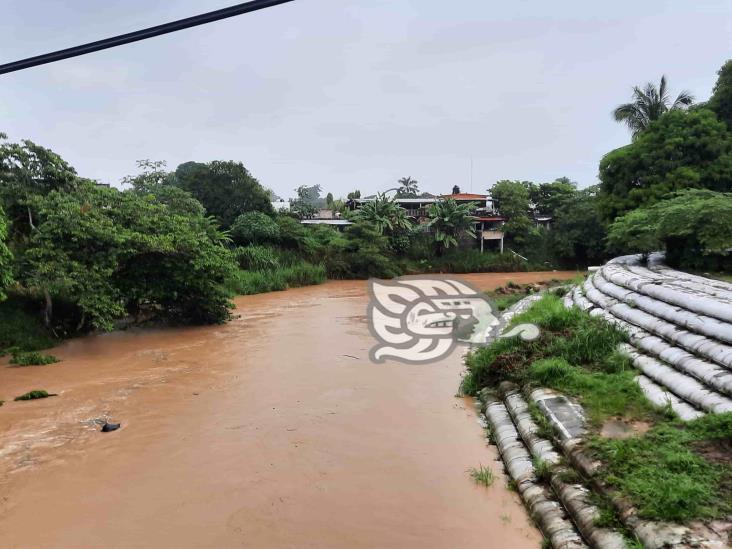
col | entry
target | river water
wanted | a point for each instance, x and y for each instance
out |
(274, 430)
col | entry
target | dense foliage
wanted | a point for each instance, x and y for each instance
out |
(694, 227)
(108, 253)
(648, 105)
(5, 258)
(721, 100)
(226, 189)
(681, 150)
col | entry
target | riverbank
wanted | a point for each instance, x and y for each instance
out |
(271, 430)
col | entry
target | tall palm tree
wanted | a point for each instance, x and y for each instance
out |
(450, 221)
(409, 188)
(649, 104)
(385, 214)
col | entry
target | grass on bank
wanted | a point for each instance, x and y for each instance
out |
(273, 280)
(676, 471)
(482, 475)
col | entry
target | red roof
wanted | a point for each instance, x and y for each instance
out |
(466, 196)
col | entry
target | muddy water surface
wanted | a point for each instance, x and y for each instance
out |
(274, 430)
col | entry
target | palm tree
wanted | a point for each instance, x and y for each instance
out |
(450, 221)
(409, 188)
(384, 214)
(648, 105)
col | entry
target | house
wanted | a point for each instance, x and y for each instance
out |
(488, 222)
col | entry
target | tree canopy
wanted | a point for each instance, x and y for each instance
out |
(225, 188)
(577, 234)
(451, 221)
(721, 100)
(384, 214)
(681, 150)
(6, 257)
(255, 228)
(107, 253)
(690, 225)
(648, 105)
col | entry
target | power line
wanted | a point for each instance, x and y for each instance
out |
(144, 34)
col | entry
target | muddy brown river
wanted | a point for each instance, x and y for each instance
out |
(274, 430)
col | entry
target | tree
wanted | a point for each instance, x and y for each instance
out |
(693, 225)
(104, 253)
(683, 149)
(305, 205)
(5, 257)
(152, 175)
(329, 200)
(648, 105)
(254, 228)
(354, 195)
(156, 183)
(721, 100)
(409, 188)
(450, 221)
(577, 236)
(384, 214)
(549, 197)
(226, 189)
(28, 170)
(512, 200)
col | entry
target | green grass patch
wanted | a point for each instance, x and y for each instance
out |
(542, 470)
(677, 471)
(482, 475)
(575, 353)
(31, 358)
(282, 278)
(35, 394)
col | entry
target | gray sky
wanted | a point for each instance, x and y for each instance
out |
(354, 93)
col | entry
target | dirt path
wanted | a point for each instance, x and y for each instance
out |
(274, 430)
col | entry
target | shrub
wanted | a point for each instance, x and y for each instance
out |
(31, 358)
(258, 282)
(256, 258)
(35, 394)
(255, 228)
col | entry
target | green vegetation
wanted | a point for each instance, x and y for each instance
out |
(676, 471)
(576, 354)
(6, 258)
(280, 278)
(542, 470)
(450, 222)
(31, 358)
(384, 215)
(20, 328)
(644, 172)
(35, 394)
(693, 226)
(648, 105)
(482, 475)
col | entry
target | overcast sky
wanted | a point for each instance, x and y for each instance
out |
(353, 93)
